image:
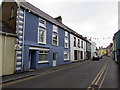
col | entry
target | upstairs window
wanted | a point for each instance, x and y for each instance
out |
(66, 34)
(55, 29)
(66, 39)
(79, 43)
(55, 36)
(42, 23)
(66, 42)
(55, 39)
(74, 41)
(41, 36)
(12, 13)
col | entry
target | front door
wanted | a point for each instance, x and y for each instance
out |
(54, 58)
(75, 54)
(29, 60)
(81, 55)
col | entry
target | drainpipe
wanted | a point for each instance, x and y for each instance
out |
(4, 55)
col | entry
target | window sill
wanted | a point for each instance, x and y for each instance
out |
(41, 43)
(10, 18)
(66, 59)
(43, 62)
(66, 47)
(55, 45)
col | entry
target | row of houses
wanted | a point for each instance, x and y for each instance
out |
(32, 39)
(116, 46)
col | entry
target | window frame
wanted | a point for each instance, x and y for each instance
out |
(55, 29)
(74, 42)
(66, 34)
(43, 61)
(41, 24)
(55, 32)
(65, 42)
(68, 56)
(56, 40)
(44, 37)
(12, 12)
(79, 43)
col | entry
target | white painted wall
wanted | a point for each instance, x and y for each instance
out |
(72, 48)
(93, 48)
(85, 50)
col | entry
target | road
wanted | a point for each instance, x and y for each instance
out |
(87, 74)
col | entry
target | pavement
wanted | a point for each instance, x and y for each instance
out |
(88, 74)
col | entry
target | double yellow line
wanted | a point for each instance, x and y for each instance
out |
(95, 82)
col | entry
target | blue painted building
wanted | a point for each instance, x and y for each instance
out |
(43, 41)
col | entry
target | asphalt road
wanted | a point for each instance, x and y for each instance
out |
(87, 74)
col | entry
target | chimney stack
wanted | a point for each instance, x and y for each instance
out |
(59, 19)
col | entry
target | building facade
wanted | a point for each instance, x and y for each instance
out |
(88, 50)
(93, 49)
(7, 38)
(77, 48)
(116, 41)
(44, 42)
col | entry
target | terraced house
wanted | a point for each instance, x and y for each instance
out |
(43, 41)
(77, 47)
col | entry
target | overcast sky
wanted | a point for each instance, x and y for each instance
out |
(90, 18)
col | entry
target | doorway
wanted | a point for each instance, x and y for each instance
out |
(75, 54)
(31, 59)
(54, 58)
(81, 55)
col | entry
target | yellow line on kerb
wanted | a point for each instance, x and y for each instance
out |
(98, 76)
(38, 75)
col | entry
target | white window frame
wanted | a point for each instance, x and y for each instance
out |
(66, 34)
(43, 61)
(55, 32)
(55, 29)
(12, 12)
(66, 42)
(41, 24)
(44, 38)
(57, 39)
(66, 52)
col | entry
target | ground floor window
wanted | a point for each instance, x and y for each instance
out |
(43, 56)
(66, 55)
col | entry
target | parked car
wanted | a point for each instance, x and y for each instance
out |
(95, 58)
(100, 56)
